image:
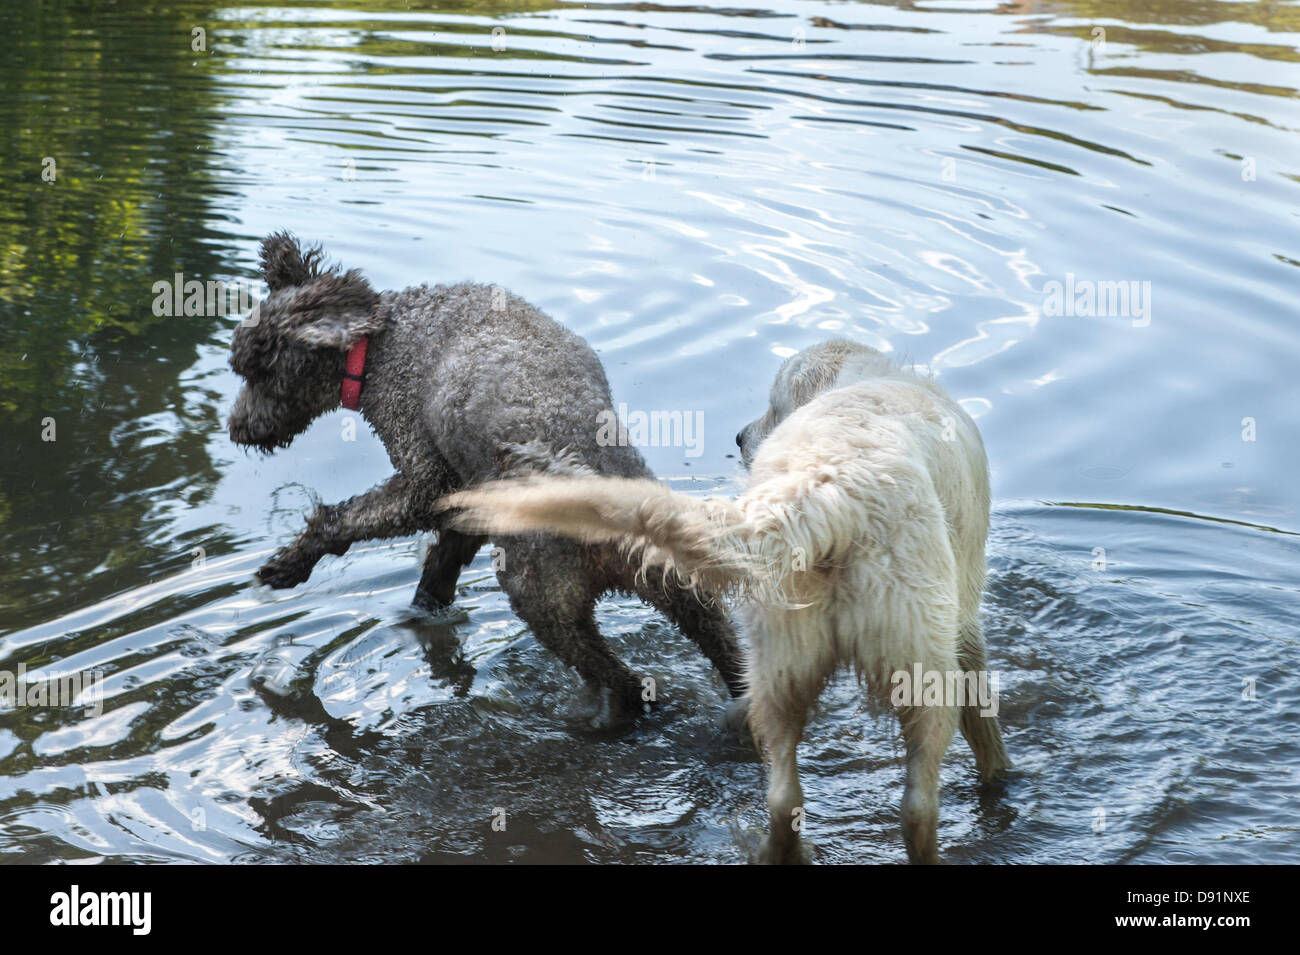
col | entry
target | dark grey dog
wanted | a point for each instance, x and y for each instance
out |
(462, 383)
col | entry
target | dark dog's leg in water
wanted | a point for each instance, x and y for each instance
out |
(548, 590)
(577, 641)
(703, 622)
(442, 568)
(392, 509)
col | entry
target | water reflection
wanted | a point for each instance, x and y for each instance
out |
(106, 192)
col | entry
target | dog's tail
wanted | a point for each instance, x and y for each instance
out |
(755, 544)
(705, 540)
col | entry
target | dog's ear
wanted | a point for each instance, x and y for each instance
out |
(814, 373)
(333, 311)
(285, 264)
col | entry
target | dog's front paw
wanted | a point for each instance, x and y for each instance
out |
(284, 570)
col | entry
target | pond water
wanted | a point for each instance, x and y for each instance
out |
(699, 190)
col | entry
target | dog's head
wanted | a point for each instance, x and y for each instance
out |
(292, 351)
(800, 379)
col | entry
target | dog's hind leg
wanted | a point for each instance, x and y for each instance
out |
(702, 621)
(442, 567)
(553, 589)
(927, 733)
(778, 726)
(575, 639)
(783, 683)
(982, 732)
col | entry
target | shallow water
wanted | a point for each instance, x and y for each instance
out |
(699, 191)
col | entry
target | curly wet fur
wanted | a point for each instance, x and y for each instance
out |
(463, 383)
(860, 541)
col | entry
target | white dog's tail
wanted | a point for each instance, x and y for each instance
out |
(704, 539)
(752, 544)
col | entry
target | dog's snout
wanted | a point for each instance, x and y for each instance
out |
(740, 439)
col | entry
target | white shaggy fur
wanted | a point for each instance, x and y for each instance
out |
(859, 542)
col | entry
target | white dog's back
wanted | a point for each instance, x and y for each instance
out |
(888, 514)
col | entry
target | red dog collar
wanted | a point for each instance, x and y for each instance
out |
(353, 372)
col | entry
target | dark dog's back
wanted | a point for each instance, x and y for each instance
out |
(495, 373)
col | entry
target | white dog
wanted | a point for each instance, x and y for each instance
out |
(859, 542)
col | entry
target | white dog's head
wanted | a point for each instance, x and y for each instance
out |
(800, 379)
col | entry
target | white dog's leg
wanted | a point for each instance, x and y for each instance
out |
(780, 737)
(927, 731)
(982, 732)
(782, 686)
(778, 707)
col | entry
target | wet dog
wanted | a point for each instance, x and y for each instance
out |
(462, 383)
(859, 542)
